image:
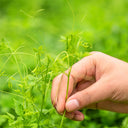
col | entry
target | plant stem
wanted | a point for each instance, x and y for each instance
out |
(68, 75)
(62, 120)
(43, 92)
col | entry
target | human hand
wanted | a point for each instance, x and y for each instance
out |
(97, 81)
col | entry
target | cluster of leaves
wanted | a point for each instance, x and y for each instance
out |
(32, 105)
(104, 23)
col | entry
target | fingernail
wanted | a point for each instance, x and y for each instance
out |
(79, 117)
(72, 105)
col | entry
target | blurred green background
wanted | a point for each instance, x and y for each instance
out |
(25, 25)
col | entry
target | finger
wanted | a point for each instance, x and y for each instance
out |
(93, 52)
(110, 106)
(82, 70)
(82, 85)
(77, 115)
(93, 94)
(61, 99)
(55, 88)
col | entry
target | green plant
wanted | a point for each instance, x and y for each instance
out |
(73, 43)
(41, 22)
(29, 109)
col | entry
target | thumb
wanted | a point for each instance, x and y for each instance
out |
(97, 92)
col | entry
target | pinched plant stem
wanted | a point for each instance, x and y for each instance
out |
(68, 75)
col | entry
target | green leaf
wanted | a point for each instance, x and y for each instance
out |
(10, 116)
(125, 123)
(18, 108)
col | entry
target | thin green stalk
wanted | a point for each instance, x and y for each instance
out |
(69, 4)
(46, 90)
(68, 82)
(15, 58)
(43, 92)
(68, 75)
(62, 120)
(12, 94)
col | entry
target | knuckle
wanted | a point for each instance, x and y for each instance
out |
(98, 54)
(98, 57)
(56, 79)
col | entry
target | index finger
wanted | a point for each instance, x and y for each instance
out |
(82, 70)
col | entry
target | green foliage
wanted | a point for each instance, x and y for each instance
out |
(31, 107)
(31, 55)
(125, 123)
(74, 45)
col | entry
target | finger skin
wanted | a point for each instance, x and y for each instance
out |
(110, 106)
(77, 116)
(82, 70)
(110, 84)
(55, 89)
(81, 86)
(95, 93)
(61, 98)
